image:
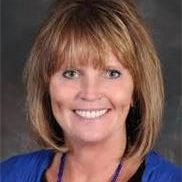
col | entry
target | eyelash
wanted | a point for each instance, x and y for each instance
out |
(67, 74)
(117, 74)
(71, 74)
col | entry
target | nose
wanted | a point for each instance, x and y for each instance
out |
(90, 89)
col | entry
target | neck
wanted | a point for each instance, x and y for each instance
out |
(93, 159)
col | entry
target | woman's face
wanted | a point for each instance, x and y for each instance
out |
(89, 104)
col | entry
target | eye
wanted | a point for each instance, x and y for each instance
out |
(71, 74)
(112, 74)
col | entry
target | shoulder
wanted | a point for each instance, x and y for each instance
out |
(25, 166)
(159, 169)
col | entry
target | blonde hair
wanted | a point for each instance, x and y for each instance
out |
(82, 32)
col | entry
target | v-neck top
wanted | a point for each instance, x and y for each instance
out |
(137, 177)
(31, 167)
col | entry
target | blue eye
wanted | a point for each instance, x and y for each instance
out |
(113, 74)
(70, 74)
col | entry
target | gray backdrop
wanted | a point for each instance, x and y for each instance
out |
(20, 21)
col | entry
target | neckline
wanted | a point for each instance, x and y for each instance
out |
(150, 161)
(62, 164)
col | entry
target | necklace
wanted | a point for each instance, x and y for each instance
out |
(61, 168)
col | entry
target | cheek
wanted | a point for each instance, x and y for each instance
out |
(122, 95)
(122, 105)
(59, 103)
(123, 98)
(58, 98)
(62, 96)
(59, 92)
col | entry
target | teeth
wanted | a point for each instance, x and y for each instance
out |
(91, 114)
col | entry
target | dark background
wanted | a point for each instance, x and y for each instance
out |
(20, 21)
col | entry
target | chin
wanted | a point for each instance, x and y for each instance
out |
(90, 137)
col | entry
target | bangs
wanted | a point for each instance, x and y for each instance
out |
(86, 37)
(79, 47)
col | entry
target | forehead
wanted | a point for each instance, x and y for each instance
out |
(98, 55)
(83, 47)
(95, 61)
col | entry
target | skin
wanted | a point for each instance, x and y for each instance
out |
(96, 145)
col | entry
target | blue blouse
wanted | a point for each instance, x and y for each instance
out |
(30, 168)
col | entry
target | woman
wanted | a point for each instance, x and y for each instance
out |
(94, 97)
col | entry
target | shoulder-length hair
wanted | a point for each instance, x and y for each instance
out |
(82, 32)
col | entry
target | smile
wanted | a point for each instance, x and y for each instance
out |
(91, 114)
